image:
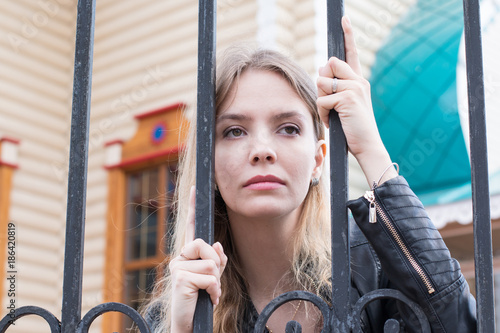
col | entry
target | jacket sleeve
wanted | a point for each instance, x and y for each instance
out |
(415, 258)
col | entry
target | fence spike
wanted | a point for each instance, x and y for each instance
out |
(483, 253)
(78, 159)
(204, 216)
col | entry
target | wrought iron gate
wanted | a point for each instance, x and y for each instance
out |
(338, 318)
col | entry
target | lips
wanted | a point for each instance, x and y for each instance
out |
(261, 181)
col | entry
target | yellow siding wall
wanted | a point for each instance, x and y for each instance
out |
(304, 30)
(36, 64)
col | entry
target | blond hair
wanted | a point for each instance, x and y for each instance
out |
(310, 269)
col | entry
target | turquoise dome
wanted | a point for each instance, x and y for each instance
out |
(415, 98)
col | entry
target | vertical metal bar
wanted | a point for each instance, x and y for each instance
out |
(204, 217)
(479, 168)
(77, 178)
(341, 273)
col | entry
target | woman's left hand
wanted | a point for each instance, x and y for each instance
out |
(352, 101)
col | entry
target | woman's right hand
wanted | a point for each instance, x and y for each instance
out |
(199, 266)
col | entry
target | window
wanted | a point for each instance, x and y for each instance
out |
(149, 222)
(141, 182)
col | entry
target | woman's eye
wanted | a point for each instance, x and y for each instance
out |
(289, 130)
(234, 133)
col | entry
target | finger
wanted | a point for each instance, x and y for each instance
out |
(192, 282)
(326, 71)
(205, 267)
(324, 112)
(339, 69)
(190, 216)
(223, 258)
(351, 51)
(325, 86)
(199, 249)
(331, 102)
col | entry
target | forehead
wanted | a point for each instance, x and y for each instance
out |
(261, 90)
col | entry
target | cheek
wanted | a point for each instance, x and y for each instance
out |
(303, 178)
(227, 165)
(301, 162)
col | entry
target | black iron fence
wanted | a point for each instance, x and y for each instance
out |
(338, 317)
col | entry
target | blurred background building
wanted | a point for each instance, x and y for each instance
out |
(144, 83)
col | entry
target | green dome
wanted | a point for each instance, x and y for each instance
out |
(415, 100)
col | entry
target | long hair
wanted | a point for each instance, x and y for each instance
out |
(310, 268)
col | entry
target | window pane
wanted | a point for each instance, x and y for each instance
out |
(142, 214)
(134, 187)
(153, 191)
(137, 286)
(134, 244)
(149, 211)
(151, 244)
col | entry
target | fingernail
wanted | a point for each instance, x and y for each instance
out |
(348, 20)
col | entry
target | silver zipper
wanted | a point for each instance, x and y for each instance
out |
(374, 209)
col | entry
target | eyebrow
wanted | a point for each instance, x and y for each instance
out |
(289, 114)
(232, 116)
(241, 117)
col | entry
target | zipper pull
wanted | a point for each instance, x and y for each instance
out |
(370, 196)
(373, 213)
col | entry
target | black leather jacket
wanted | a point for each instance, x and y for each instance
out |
(403, 250)
(406, 252)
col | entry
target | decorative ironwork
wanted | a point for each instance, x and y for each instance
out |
(84, 325)
(54, 324)
(338, 318)
(268, 310)
(331, 322)
(391, 325)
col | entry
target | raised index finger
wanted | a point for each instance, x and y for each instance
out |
(351, 52)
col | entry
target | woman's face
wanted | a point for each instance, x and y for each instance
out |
(266, 152)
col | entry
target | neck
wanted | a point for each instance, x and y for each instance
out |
(265, 250)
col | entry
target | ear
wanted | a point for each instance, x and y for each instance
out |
(319, 158)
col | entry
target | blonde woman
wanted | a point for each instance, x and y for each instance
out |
(272, 226)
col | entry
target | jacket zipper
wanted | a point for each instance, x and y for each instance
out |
(374, 209)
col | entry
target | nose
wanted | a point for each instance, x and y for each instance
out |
(262, 152)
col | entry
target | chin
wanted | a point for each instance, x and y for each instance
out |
(262, 206)
(266, 210)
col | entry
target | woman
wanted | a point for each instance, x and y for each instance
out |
(272, 224)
